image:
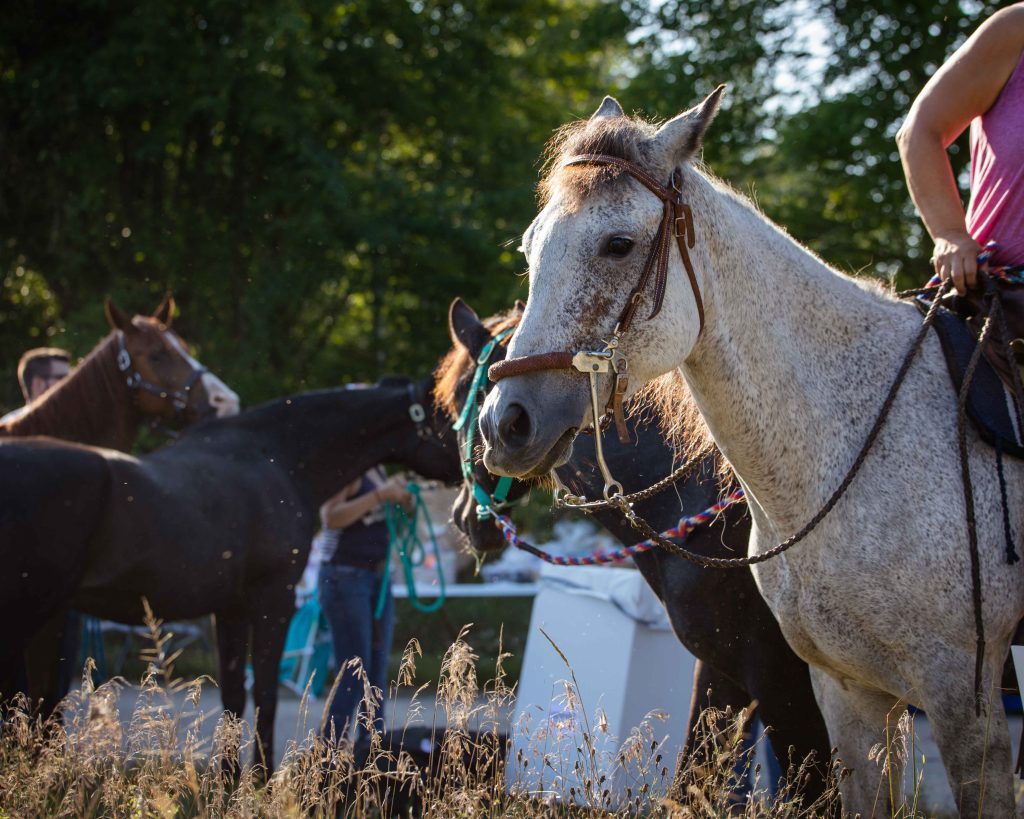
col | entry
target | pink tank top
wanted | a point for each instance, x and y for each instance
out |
(996, 211)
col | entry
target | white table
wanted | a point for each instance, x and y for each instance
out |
(454, 590)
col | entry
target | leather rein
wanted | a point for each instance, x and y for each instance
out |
(676, 221)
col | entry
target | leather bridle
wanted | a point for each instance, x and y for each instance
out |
(676, 221)
(133, 378)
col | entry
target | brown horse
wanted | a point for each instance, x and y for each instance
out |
(140, 371)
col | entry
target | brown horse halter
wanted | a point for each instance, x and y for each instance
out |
(677, 221)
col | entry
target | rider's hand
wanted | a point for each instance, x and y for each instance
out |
(956, 258)
(395, 491)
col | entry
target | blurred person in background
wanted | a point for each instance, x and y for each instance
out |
(38, 370)
(355, 592)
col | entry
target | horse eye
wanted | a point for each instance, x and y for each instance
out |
(619, 246)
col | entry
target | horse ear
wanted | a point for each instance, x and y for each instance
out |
(520, 306)
(165, 311)
(609, 108)
(679, 139)
(116, 318)
(466, 328)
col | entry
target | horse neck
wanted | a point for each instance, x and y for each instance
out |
(330, 439)
(794, 358)
(93, 405)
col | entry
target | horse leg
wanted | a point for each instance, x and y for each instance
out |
(795, 728)
(12, 670)
(857, 718)
(269, 629)
(975, 750)
(711, 689)
(47, 686)
(232, 639)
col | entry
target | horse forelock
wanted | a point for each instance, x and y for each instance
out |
(623, 137)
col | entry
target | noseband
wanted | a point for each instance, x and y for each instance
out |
(676, 221)
(135, 381)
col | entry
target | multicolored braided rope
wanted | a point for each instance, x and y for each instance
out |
(681, 530)
(1010, 273)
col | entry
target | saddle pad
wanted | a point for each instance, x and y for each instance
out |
(990, 405)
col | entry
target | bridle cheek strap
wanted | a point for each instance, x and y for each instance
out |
(677, 222)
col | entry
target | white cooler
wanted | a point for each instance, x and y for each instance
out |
(627, 663)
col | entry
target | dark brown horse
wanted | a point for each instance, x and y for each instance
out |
(141, 371)
(719, 616)
(220, 522)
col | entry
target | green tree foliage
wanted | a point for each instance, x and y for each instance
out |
(834, 177)
(316, 180)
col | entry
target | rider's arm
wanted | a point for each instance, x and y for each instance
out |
(966, 86)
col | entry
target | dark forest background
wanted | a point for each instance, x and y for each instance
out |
(316, 180)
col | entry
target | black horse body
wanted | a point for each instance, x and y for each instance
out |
(220, 522)
(718, 615)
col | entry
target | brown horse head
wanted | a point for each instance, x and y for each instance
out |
(166, 380)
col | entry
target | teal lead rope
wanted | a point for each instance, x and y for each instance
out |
(485, 504)
(404, 539)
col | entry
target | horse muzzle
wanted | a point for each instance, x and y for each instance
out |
(527, 435)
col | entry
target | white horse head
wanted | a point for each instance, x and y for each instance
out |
(587, 249)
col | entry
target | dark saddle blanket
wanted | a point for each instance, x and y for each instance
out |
(990, 403)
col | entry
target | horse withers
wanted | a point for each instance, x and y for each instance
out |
(788, 361)
(220, 522)
(720, 617)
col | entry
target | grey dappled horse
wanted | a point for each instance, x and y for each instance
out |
(788, 361)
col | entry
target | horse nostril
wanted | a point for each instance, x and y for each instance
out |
(514, 426)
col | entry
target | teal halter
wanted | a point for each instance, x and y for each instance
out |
(468, 418)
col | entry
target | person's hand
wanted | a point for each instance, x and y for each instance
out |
(394, 491)
(956, 259)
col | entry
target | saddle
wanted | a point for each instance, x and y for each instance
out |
(991, 405)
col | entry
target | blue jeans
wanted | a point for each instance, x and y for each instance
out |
(348, 599)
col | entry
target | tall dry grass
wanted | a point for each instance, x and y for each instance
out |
(160, 766)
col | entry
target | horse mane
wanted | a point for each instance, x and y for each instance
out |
(666, 400)
(457, 362)
(78, 407)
